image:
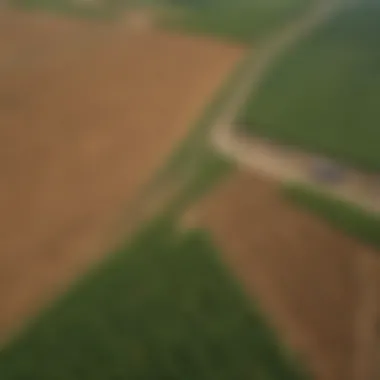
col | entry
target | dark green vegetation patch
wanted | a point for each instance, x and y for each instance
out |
(324, 94)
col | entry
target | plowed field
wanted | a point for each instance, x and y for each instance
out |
(302, 272)
(87, 114)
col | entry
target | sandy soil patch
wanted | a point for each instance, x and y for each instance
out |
(85, 121)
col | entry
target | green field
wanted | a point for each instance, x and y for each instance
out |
(239, 20)
(324, 94)
(161, 308)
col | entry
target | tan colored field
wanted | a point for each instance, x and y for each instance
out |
(88, 113)
(304, 274)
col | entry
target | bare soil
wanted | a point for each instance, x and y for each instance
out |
(88, 112)
(304, 274)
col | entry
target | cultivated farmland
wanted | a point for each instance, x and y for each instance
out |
(88, 114)
(161, 308)
(323, 94)
(302, 272)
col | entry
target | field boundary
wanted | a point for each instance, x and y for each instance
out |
(340, 214)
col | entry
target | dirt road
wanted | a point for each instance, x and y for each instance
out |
(283, 163)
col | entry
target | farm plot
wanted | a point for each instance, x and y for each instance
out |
(161, 308)
(82, 129)
(303, 273)
(323, 95)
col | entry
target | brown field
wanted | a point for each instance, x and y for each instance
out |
(302, 272)
(88, 112)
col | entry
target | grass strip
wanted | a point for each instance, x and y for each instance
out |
(339, 213)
